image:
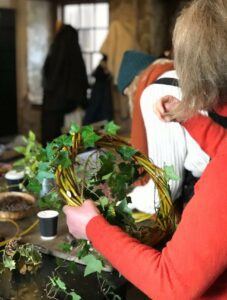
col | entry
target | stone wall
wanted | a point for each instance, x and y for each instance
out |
(152, 21)
(39, 33)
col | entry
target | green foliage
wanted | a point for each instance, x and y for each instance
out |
(58, 285)
(170, 173)
(44, 172)
(74, 296)
(111, 128)
(104, 201)
(9, 262)
(107, 162)
(74, 128)
(34, 186)
(24, 257)
(65, 247)
(32, 152)
(93, 264)
(83, 248)
(63, 140)
(51, 200)
(72, 266)
(127, 152)
(89, 136)
(106, 177)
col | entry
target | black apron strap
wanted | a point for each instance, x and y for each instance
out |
(167, 81)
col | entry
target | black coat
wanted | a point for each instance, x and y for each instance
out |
(100, 105)
(64, 74)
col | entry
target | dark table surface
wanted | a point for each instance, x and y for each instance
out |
(35, 286)
(15, 286)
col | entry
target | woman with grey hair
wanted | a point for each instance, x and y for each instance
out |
(193, 264)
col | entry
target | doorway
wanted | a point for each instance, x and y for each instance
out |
(8, 95)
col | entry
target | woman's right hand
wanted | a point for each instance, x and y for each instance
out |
(164, 106)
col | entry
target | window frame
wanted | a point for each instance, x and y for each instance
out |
(86, 53)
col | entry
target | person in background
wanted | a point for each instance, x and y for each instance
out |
(132, 66)
(100, 105)
(65, 82)
(137, 71)
(165, 144)
(193, 264)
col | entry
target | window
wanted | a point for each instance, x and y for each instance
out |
(92, 22)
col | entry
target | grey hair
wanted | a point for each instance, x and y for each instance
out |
(200, 53)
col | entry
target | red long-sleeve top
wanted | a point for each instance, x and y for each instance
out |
(193, 265)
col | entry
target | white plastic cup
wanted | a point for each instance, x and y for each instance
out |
(48, 223)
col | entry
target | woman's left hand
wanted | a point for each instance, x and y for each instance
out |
(77, 218)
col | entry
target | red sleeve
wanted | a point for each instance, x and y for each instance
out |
(206, 132)
(195, 257)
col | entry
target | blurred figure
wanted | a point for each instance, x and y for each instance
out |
(100, 106)
(65, 82)
(132, 66)
(166, 144)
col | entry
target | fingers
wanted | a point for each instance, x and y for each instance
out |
(66, 209)
(164, 106)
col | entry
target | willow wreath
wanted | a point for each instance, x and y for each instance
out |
(106, 175)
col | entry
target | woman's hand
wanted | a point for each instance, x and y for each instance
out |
(77, 218)
(164, 106)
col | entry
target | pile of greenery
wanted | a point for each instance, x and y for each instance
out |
(24, 258)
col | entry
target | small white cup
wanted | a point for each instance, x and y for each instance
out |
(48, 222)
(13, 179)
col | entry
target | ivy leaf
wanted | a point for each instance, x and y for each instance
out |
(63, 159)
(92, 264)
(58, 283)
(123, 207)
(9, 263)
(127, 152)
(129, 172)
(30, 253)
(107, 161)
(103, 202)
(89, 136)
(43, 166)
(75, 128)
(74, 296)
(63, 140)
(65, 247)
(111, 128)
(50, 201)
(72, 266)
(83, 248)
(170, 173)
(118, 185)
(31, 136)
(34, 186)
(20, 149)
(44, 174)
(51, 150)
